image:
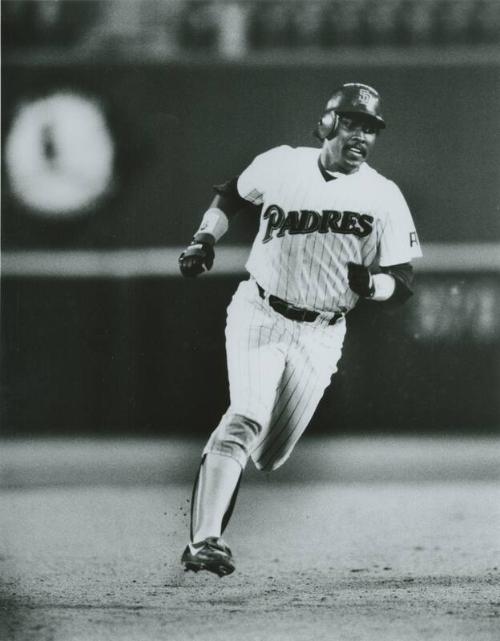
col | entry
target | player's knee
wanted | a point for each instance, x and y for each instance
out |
(235, 436)
(242, 432)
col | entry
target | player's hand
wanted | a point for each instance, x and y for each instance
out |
(197, 257)
(360, 280)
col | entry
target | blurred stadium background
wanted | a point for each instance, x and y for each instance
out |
(119, 115)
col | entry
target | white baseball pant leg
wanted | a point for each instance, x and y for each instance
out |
(278, 370)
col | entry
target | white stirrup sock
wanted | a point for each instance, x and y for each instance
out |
(214, 490)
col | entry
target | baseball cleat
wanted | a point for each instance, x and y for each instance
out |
(211, 554)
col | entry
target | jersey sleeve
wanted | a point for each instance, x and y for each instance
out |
(399, 241)
(262, 172)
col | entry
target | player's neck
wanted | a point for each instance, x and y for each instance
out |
(332, 164)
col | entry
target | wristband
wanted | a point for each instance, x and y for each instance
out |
(384, 286)
(214, 222)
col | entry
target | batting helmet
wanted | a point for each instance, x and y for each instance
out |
(351, 97)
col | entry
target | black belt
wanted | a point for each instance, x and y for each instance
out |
(294, 313)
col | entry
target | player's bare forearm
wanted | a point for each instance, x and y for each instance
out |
(199, 255)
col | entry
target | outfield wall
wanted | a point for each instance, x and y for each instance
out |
(146, 356)
(179, 129)
(99, 334)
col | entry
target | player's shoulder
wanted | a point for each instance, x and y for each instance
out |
(387, 196)
(287, 152)
(283, 160)
(384, 184)
(305, 154)
(370, 173)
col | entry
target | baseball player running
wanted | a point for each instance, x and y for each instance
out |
(332, 230)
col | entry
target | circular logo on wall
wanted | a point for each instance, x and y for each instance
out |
(59, 155)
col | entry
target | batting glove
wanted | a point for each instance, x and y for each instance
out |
(360, 280)
(198, 256)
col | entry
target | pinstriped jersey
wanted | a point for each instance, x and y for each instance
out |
(313, 223)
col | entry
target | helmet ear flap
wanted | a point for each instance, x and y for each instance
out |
(327, 125)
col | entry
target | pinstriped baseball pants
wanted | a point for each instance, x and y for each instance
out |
(278, 370)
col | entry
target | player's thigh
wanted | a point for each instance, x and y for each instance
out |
(297, 398)
(255, 356)
(308, 372)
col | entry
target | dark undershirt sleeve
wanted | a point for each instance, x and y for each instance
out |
(229, 200)
(403, 275)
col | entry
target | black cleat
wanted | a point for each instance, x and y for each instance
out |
(211, 554)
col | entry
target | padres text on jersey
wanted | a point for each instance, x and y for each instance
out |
(313, 223)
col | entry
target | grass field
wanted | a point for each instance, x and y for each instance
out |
(354, 539)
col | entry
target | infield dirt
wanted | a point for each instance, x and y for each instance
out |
(356, 561)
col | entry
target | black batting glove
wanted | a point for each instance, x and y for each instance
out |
(198, 257)
(360, 280)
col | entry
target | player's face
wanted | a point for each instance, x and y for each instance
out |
(351, 145)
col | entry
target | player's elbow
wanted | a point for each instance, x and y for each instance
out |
(402, 293)
(404, 278)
